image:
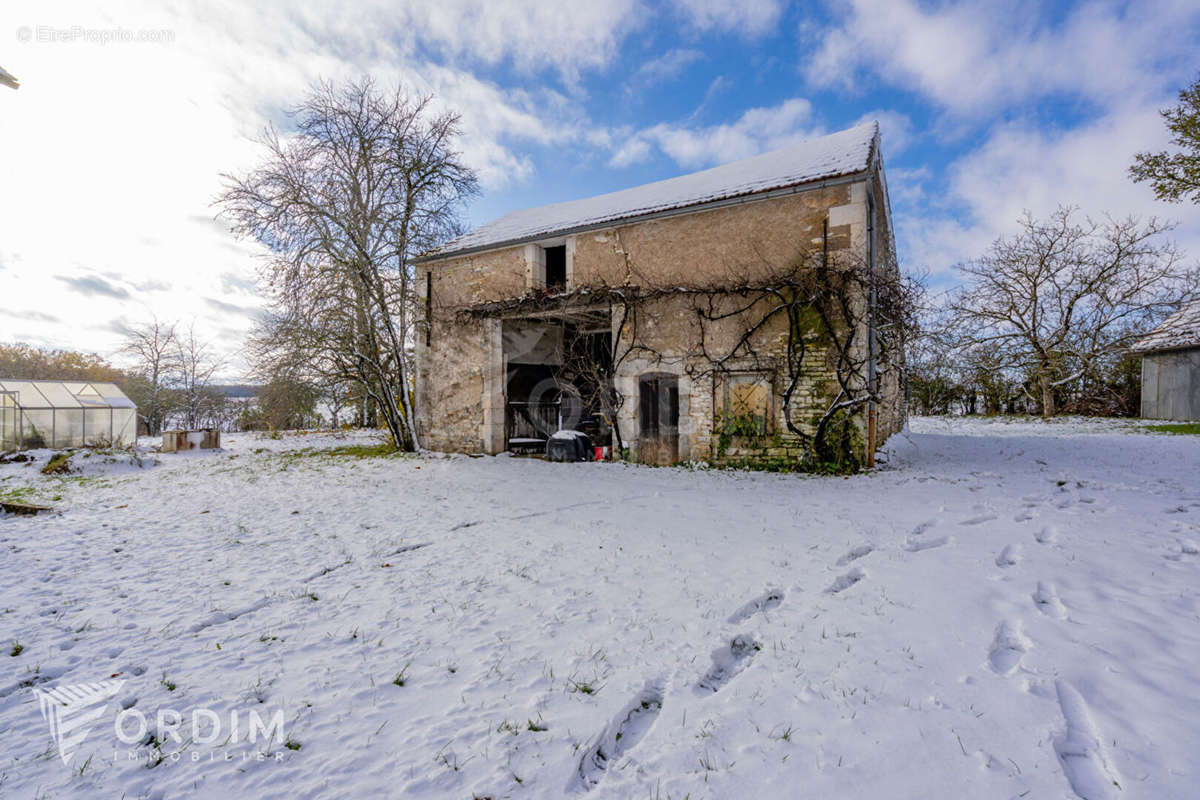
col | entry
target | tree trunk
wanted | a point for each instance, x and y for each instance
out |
(1047, 396)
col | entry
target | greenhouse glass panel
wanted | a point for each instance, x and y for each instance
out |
(97, 426)
(64, 414)
(113, 396)
(27, 394)
(68, 428)
(58, 395)
(37, 427)
(124, 424)
(8, 421)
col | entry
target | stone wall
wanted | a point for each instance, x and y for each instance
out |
(701, 247)
(451, 378)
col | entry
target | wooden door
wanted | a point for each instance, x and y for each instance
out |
(658, 415)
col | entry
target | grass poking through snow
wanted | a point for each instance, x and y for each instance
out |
(1192, 428)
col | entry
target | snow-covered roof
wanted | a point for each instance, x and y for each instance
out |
(1180, 330)
(844, 153)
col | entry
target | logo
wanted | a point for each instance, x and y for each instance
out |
(72, 711)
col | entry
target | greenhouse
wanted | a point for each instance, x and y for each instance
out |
(60, 414)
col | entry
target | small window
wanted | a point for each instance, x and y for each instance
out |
(556, 267)
(746, 404)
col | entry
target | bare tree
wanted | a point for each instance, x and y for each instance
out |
(195, 365)
(336, 395)
(935, 379)
(153, 349)
(1060, 295)
(367, 181)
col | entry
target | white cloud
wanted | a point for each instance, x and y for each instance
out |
(666, 67)
(756, 131)
(492, 116)
(747, 17)
(635, 150)
(1019, 167)
(533, 34)
(895, 129)
(972, 57)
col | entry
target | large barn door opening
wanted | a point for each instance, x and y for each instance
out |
(658, 404)
(558, 372)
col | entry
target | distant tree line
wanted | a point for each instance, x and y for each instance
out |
(28, 362)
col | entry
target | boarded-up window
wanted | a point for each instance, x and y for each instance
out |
(744, 407)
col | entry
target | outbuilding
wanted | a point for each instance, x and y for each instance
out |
(1171, 367)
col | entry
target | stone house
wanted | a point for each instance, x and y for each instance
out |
(642, 287)
(1171, 367)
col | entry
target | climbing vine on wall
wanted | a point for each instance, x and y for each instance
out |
(837, 323)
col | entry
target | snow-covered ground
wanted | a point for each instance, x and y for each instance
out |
(1005, 609)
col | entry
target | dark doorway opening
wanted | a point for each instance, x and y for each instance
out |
(658, 417)
(534, 406)
(558, 377)
(556, 267)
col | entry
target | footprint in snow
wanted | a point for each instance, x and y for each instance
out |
(620, 736)
(1047, 535)
(1009, 646)
(844, 582)
(1009, 556)
(979, 520)
(917, 545)
(1186, 548)
(855, 554)
(727, 663)
(766, 601)
(1046, 598)
(923, 527)
(1080, 750)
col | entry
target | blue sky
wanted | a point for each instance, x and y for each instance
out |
(127, 115)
